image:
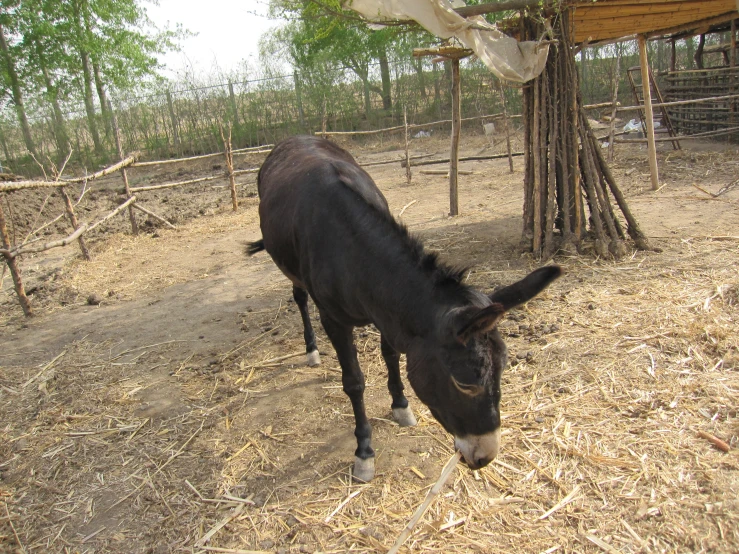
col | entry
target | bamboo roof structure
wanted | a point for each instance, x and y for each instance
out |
(612, 20)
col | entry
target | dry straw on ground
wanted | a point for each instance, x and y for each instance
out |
(616, 370)
(624, 377)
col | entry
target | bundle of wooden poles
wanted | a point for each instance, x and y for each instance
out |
(569, 188)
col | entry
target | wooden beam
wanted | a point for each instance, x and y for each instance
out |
(647, 93)
(456, 126)
(494, 7)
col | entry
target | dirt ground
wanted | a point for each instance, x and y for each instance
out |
(156, 419)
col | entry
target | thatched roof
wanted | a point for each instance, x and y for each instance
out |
(609, 20)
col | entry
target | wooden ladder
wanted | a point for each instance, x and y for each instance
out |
(637, 88)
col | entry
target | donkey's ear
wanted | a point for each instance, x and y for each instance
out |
(528, 287)
(480, 321)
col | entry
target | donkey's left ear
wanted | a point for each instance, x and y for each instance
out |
(481, 321)
(528, 287)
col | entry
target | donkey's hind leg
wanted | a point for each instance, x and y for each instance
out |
(301, 299)
(402, 412)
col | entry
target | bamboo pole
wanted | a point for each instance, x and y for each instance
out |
(407, 154)
(454, 155)
(15, 271)
(647, 93)
(124, 175)
(507, 127)
(75, 224)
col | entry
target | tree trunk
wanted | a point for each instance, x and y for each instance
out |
(367, 101)
(103, 97)
(17, 94)
(699, 52)
(61, 135)
(387, 101)
(89, 105)
(6, 151)
(689, 45)
(299, 99)
(418, 66)
(87, 81)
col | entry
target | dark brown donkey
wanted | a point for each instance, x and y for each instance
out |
(328, 228)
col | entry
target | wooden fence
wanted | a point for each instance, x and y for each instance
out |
(11, 252)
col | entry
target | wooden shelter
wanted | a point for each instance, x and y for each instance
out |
(606, 21)
(613, 20)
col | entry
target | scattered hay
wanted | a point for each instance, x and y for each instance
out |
(617, 376)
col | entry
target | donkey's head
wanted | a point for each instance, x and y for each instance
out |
(457, 372)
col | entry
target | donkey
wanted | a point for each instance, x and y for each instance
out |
(328, 228)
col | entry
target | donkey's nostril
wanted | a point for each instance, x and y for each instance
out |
(482, 462)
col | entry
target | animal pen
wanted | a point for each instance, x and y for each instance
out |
(620, 402)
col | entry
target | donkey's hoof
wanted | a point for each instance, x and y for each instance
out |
(364, 470)
(404, 417)
(313, 358)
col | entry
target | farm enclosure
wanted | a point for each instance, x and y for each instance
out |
(127, 426)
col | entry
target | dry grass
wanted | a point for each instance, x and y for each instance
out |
(615, 370)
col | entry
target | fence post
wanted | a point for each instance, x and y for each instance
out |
(124, 174)
(15, 271)
(507, 128)
(227, 152)
(73, 220)
(173, 118)
(612, 123)
(232, 99)
(407, 154)
(456, 124)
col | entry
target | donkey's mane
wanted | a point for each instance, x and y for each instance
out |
(442, 275)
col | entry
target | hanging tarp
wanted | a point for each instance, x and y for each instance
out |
(505, 56)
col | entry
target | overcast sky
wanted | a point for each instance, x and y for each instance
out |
(228, 31)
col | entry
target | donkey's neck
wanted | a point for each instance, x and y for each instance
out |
(408, 292)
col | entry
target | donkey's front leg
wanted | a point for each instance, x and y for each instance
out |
(353, 380)
(401, 410)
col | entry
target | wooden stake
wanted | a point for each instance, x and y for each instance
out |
(15, 271)
(124, 175)
(153, 215)
(407, 154)
(732, 64)
(612, 125)
(227, 152)
(536, 154)
(649, 116)
(73, 220)
(505, 123)
(454, 155)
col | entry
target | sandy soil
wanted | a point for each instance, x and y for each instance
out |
(126, 423)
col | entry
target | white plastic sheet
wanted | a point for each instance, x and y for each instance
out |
(503, 55)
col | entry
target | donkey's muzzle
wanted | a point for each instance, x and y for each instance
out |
(478, 450)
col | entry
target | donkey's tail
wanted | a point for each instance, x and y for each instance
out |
(254, 247)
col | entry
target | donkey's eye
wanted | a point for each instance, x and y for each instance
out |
(469, 390)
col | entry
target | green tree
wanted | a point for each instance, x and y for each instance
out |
(322, 33)
(9, 58)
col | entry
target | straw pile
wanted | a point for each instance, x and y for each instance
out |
(615, 371)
